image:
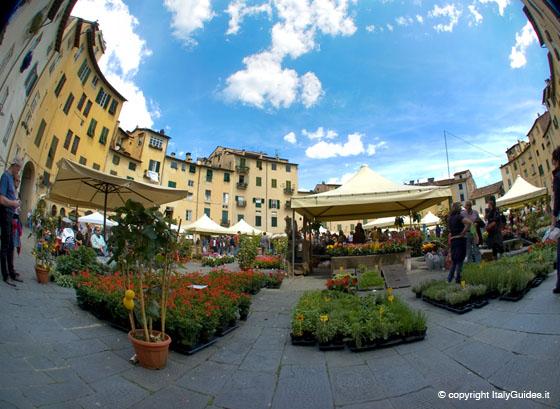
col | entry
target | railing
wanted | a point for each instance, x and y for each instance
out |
(288, 190)
(241, 185)
(242, 169)
(288, 204)
(224, 223)
(241, 203)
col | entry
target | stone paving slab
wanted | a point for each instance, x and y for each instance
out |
(54, 355)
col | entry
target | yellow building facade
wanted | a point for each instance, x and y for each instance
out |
(76, 117)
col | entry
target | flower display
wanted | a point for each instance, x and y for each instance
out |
(268, 262)
(367, 249)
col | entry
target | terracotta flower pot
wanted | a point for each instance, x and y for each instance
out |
(42, 274)
(151, 355)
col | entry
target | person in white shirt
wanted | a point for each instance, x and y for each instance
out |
(98, 242)
(473, 252)
(67, 238)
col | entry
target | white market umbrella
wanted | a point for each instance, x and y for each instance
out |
(206, 225)
(244, 228)
(430, 219)
(521, 192)
(96, 218)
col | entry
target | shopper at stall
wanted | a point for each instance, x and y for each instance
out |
(458, 228)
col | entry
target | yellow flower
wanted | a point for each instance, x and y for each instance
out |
(391, 298)
(389, 291)
(463, 284)
(324, 318)
(299, 317)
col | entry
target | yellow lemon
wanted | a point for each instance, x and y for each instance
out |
(128, 303)
(324, 318)
(129, 294)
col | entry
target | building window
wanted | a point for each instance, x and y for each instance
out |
(31, 80)
(541, 170)
(113, 172)
(94, 81)
(273, 204)
(8, 130)
(226, 177)
(173, 165)
(171, 184)
(190, 196)
(46, 178)
(209, 175)
(75, 145)
(91, 127)
(190, 183)
(183, 167)
(52, 152)
(514, 165)
(225, 198)
(113, 107)
(507, 171)
(156, 142)
(224, 216)
(207, 195)
(537, 153)
(288, 168)
(273, 166)
(257, 202)
(131, 166)
(259, 181)
(87, 108)
(40, 133)
(555, 122)
(81, 102)
(96, 166)
(84, 71)
(259, 164)
(547, 166)
(525, 173)
(130, 178)
(339, 227)
(116, 159)
(68, 139)
(68, 103)
(188, 215)
(192, 168)
(273, 183)
(207, 211)
(83, 161)
(258, 221)
(60, 84)
(274, 221)
(240, 217)
(462, 197)
(103, 136)
(460, 186)
(102, 98)
(153, 166)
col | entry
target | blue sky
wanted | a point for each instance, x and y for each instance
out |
(329, 84)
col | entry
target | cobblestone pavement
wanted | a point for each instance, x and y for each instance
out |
(54, 355)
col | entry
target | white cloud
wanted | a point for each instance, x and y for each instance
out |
(390, 27)
(320, 133)
(238, 10)
(324, 150)
(420, 19)
(373, 148)
(370, 28)
(124, 53)
(292, 36)
(523, 39)
(502, 4)
(404, 21)
(342, 179)
(477, 17)
(187, 16)
(448, 11)
(290, 138)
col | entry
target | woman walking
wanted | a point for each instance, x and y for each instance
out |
(556, 209)
(458, 227)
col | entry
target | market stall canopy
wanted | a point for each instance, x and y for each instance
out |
(206, 225)
(367, 195)
(381, 223)
(96, 218)
(430, 219)
(520, 193)
(85, 187)
(244, 228)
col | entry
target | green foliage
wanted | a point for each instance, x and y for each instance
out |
(451, 293)
(281, 246)
(63, 280)
(370, 279)
(248, 247)
(81, 259)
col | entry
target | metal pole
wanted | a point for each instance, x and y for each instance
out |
(293, 243)
(446, 153)
(105, 214)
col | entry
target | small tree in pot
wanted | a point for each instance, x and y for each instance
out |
(143, 245)
(43, 229)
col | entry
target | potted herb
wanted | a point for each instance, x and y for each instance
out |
(44, 244)
(143, 245)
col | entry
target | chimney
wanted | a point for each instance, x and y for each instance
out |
(411, 182)
(162, 131)
(172, 154)
(188, 157)
(431, 180)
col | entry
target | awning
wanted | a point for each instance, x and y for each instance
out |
(430, 219)
(520, 193)
(96, 218)
(244, 228)
(368, 195)
(206, 225)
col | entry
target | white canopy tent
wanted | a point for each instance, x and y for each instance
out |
(521, 192)
(382, 222)
(205, 225)
(430, 219)
(368, 194)
(244, 228)
(96, 218)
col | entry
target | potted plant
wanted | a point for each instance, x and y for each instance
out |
(143, 244)
(44, 244)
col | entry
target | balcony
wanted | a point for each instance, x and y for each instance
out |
(242, 169)
(224, 223)
(288, 190)
(241, 203)
(288, 204)
(152, 176)
(242, 185)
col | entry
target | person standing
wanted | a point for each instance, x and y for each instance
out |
(438, 231)
(494, 227)
(458, 228)
(264, 244)
(359, 234)
(556, 210)
(9, 203)
(473, 253)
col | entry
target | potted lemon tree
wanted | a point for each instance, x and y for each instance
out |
(44, 244)
(142, 244)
